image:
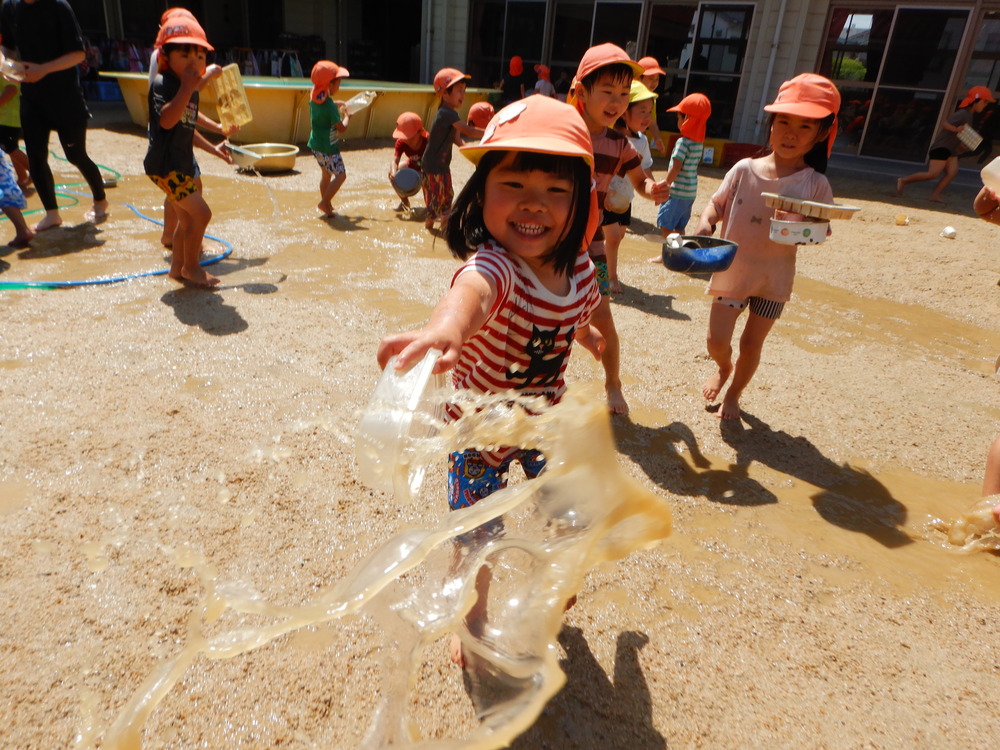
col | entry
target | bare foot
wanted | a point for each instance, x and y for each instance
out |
(455, 648)
(713, 386)
(98, 213)
(655, 259)
(51, 221)
(199, 278)
(167, 241)
(899, 186)
(730, 408)
(22, 240)
(934, 199)
(616, 402)
(326, 209)
(996, 514)
(614, 286)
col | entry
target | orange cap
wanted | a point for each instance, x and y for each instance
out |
(975, 94)
(535, 123)
(698, 108)
(543, 72)
(446, 78)
(651, 67)
(516, 66)
(408, 125)
(602, 55)
(809, 95)
(180, 29)
(322, 74)
(480, 114)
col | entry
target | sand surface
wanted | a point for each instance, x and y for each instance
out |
(803, 599)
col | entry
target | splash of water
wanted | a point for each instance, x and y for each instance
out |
(583, 510)
(976, 530)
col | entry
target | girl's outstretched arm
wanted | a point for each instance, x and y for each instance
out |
(707, 221)
(459, 314)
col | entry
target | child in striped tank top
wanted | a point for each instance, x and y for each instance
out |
(693, 112)
(525, 293)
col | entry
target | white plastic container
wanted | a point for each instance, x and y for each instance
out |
(991, 175)
(799, 232)
(405, 408)
(359, 101)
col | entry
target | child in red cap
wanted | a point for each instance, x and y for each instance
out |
(523, 297)
(447, 129)
(169, 162)
(411, 141)
(601, 93)
(692, 115)
(328, 120)
(801, 130)
(480, 115)
(943, 156)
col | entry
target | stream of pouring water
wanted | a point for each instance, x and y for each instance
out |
(583, 510)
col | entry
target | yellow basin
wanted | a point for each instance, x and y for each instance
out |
(280, 106)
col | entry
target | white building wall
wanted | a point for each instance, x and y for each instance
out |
(446, 33)
(771, 60)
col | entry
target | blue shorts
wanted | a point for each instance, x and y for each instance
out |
(674, 214)
(470, 479)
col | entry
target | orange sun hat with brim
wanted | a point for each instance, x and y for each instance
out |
(448, 77)
(809, 95)
(698, 109)
(168, 14)
(322, 74)
(605, 54)
(543, 72)
(480, 114)
(536, 123)
(180, 29)
(651, 67)
(975, 94)
(408, 125)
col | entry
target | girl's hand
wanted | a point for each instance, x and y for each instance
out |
(592, 340)
(411, 346)
(704, 228)
(34, 72)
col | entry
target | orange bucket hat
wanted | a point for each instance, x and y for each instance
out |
(480, 114)
(543, 72)
(698, 109)
(169, 14)
(408, 125)
(543, 125)
(651, 67)
(809, 95)
(183, 29)
(446, 78)
(975, 94)
(322, 74)
(602, 55)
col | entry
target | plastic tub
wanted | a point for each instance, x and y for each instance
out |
(799, 232)
(405, 409)
(407, 182)
(697, 254)
(273, 157)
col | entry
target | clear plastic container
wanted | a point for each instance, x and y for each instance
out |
(359, 101)
(991, 175)
(231, 98)
(405, 410)
(10, 69)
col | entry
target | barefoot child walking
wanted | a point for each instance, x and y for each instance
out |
(525, 293)
(169, 162)
(802, 127)
(328, 121)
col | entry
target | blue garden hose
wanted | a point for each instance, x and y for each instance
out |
(113, 279)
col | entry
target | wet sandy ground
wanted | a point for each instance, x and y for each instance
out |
(802, 600)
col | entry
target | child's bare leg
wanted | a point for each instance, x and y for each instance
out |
(20, 161)
(332, 186)
(950, 171)
(99, 211)
(169, 223)
(475, 618)
(751, 345)
(23, 234)
(934, 168)
(610, 358)
(325, 178)
(192, 220)
(613, 234)
(721, 323)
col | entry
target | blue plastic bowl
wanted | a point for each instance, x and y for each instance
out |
(407, 182)
(699, 254)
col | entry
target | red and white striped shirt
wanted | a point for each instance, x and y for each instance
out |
(524, 344)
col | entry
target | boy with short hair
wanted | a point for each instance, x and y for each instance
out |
(328, 119)
(601, 92)
(169, 162)
(447, 129)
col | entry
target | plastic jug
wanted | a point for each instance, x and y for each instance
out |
(991, 175)
(359, 101)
